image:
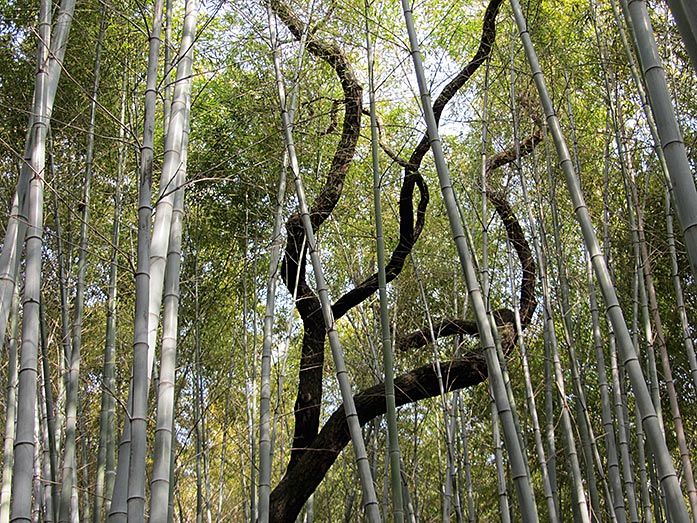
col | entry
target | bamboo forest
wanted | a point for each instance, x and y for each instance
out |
(348, 261)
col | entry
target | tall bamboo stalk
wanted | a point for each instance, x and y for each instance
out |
(18, 221)
(677, 285)
(447, 490)
(143, 354)
(577, 492)
(685, 14)
(660, 337)
(370, 502)
(23, 469)
(46, 458)
(71, 407)
(388, 357)
(104, 482)
(119, 502)
(10, 411)
(529, 393)
(162, 462)
(526, 499)
(265, 450)
(249, 374)
(681, 175)
(504, 509)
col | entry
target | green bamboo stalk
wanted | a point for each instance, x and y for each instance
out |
(606, 412)
(680, 299)
(370, 503)
(388, 357)
(445, 410)
(10, 410)
(685, 14)
(249, 377)
(162, 462)
(143, 355)
(52, 445)
(526, 499)
(678, 165)
(265, 432)
(18, 221)
(105, 453)
(504, 509)
(585, 427)
(46, 458)
(636, 220)
(548, 367)
(529, 393)
(618, 379)
(577, 492)
(72, 382)
(119, 503)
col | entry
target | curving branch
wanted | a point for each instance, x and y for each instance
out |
(300, 482)
(528, 302)
(409, 229)
(416, 385)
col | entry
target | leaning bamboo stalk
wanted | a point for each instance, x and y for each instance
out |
(619, 393)
(23, 469)
(669, 479)
(445, 410)
(585, 427)
(265, 431)
(660, 337)
(606, 413)
(679, 297)
(550, 439)
(526, 499)
(685, 14)
(504, 509)
(577, 493)
(159, 486)
(370, 502)
(611, 448)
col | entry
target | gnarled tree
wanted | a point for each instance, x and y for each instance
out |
(314, 450)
